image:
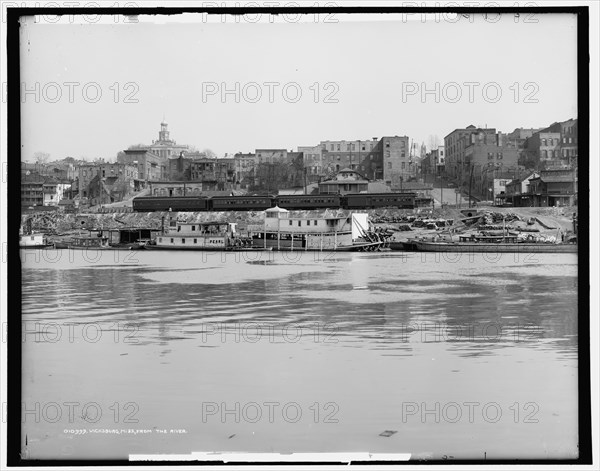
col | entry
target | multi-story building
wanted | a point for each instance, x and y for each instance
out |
(455, 144)
(38, 190)
(109, 174)
(215, 174)
(363, 156)
(433, 162)
(55, 191)
(568, 131)
(245, 169)
(398, 162)
(149, 165)
(545, 147)
(32, 193)
(178, 168)
(313, 162)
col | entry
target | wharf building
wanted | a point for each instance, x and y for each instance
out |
(554, 187)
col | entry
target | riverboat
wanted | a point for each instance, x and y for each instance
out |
(284, 230)
(34, 241)
(221, 236)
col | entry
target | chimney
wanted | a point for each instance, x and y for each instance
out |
(374, 138)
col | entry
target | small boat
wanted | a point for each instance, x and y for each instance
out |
(90, 242)
(137, 245)
(34, 241)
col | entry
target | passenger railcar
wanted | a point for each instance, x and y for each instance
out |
(308, 201)
(180, 203)
(379, 200)
(240, 203)
(292, 202)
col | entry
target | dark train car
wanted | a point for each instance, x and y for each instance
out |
(240, 203)
(308, 201)
(423, 202)
(176, 203)
(379, 200)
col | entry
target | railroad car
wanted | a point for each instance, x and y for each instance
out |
(241, 203)
(379, 200)
(308, 201)
(176, 203)
(423, 202)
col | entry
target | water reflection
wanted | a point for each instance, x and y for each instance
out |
(368, 330)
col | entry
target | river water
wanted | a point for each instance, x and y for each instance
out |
(444, 356)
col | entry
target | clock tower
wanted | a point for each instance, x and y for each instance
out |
(163, 135)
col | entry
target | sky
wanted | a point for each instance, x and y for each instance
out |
(90, 90)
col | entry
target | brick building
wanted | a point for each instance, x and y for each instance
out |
(109, 175)
(215, 174)
(150, 167)
(245, 169)
(455, 144)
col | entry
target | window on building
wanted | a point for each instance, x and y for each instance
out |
(291, 222)
(195, 241)
(172, 240)
(183, 241)
(299, 223)
(543, 142)
(308, 223)
(338, 147)
(403, 165)
(387, 144)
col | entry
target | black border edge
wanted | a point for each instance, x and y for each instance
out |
(14, 353)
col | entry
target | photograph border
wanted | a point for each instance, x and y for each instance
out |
(14, 291)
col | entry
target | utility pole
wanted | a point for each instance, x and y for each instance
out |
(304, 180)
(470, 183)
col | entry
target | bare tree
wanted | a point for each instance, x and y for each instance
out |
(433, 141)
(209, 154)
(41, 157)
